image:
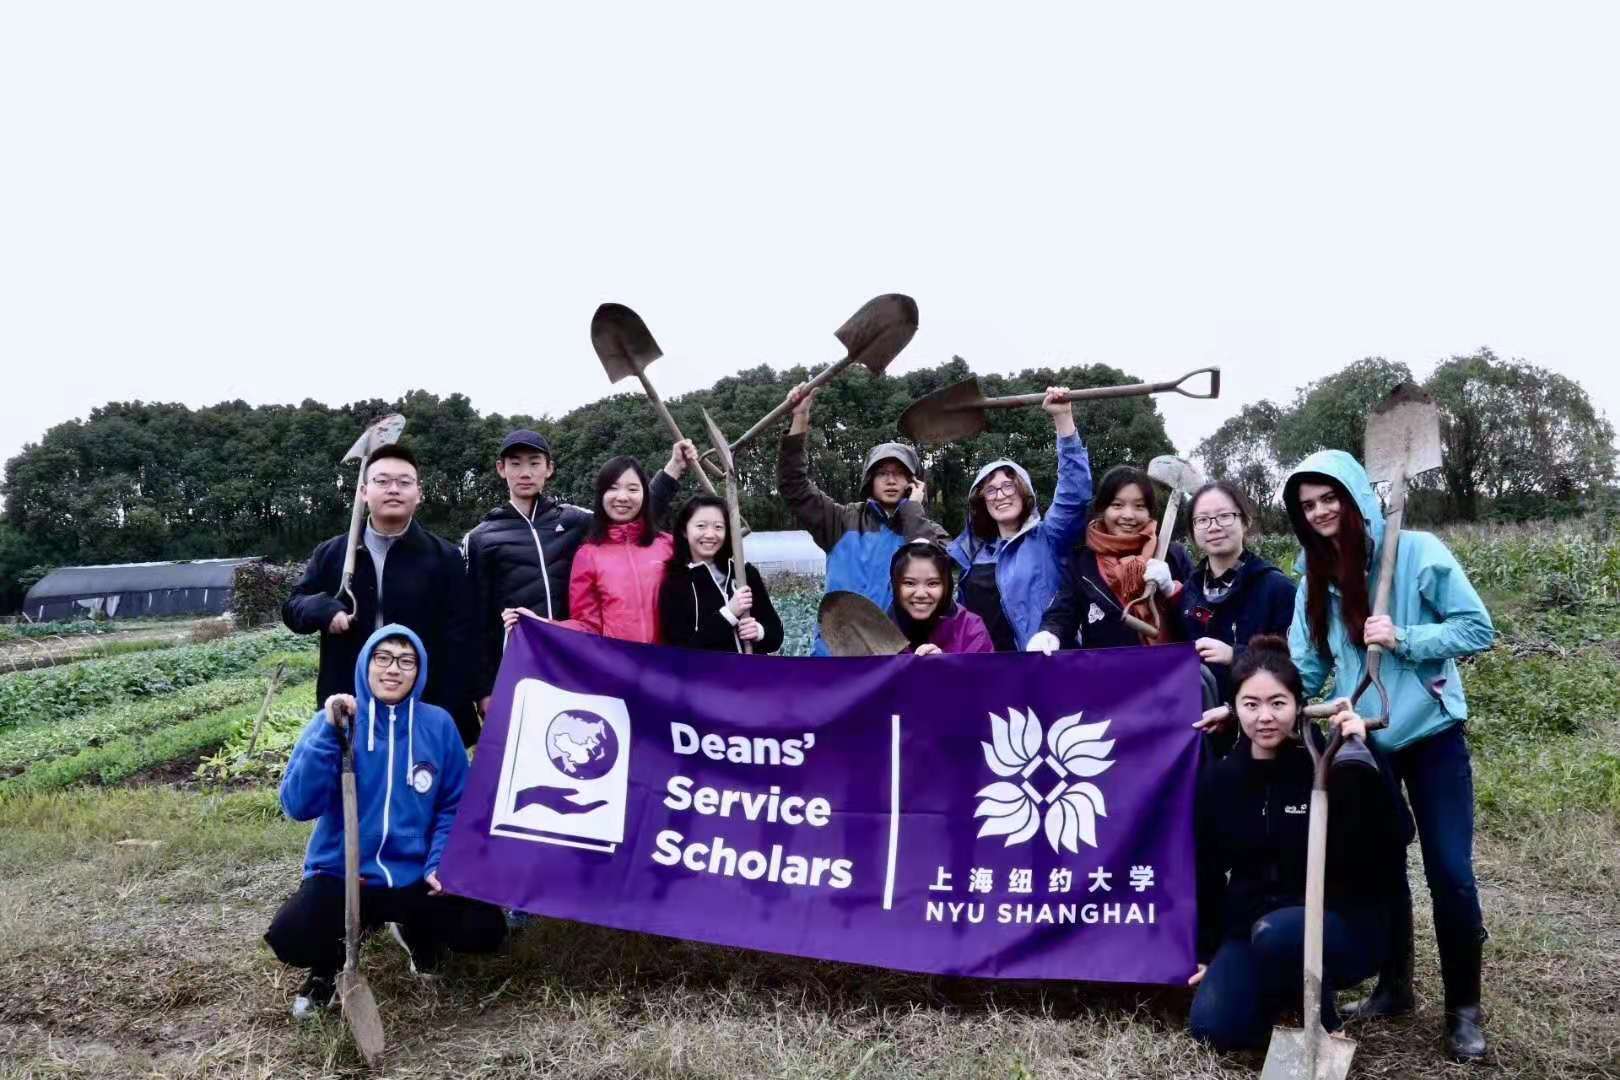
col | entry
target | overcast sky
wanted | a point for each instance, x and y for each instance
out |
(208, 201)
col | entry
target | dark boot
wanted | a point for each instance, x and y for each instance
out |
(1465, 1033)
(1461, 958)
(1393, 994)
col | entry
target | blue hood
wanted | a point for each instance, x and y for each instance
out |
(409, 771)
(1346, 471)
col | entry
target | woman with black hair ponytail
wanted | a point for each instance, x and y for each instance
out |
(1252, 828)
(701, 605)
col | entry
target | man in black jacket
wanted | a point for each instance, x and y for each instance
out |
(402, 574)
(522, 553)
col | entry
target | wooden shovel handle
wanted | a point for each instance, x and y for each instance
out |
(351, 853)
(1097, 393)
(786, 406)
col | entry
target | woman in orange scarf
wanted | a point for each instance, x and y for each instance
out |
(1106, 578)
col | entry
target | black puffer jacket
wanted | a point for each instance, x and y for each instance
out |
(424, 588)
(506, 553)
(1253, 820)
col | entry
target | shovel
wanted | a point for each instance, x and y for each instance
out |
(873, 337)
(359, 1005)
(626, 347)
(1403, 440)
(733, 513)
(958, 411)
(381, 433)
(1183, 478)
(852, 625)
(1309, 1052)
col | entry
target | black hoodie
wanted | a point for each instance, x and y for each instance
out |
(1253, 824)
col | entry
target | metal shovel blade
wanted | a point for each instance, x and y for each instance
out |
(622, 341)
(1288, 1056)
(946, 415)
(1403, 435)
(381, 433)
(360, 1012)
(876, 333)
(854, 626)
(1177, 474)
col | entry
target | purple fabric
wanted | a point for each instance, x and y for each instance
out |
(1001, 815)
(960, 632)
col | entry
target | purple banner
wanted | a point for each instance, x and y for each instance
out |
(1001, 815)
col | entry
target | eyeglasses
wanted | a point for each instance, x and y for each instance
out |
(393, 483)
(1223, 519)
(1002, 490)
(382, 661)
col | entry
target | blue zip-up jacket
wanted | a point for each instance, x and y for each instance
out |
(1261, 601)
(860, 539)
(1029, 565)
(409, 772)
(1437, 614)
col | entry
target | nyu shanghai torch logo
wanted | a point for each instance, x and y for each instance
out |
(1048, 786)
(566, 768)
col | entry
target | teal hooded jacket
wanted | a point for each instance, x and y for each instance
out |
(1437, 614)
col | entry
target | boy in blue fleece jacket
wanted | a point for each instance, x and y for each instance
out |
(409, 768)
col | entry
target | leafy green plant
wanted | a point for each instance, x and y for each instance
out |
(232, 763)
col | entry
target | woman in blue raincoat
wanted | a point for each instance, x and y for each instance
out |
(1010, 558)
(1435, 617)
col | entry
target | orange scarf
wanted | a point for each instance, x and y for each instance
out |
(1122, 561)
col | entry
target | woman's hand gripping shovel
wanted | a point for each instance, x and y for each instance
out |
(1403, 440)
(359, 1004)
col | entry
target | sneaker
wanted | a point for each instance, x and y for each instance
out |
(314, 997)
(420, 967)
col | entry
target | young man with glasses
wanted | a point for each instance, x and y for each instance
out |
(410, 769)
(402, 574)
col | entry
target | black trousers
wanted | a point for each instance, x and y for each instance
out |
(308, 930)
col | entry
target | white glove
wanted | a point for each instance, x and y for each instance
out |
(1043, 642)
(1158, 572)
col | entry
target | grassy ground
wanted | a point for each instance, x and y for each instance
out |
(130, 920)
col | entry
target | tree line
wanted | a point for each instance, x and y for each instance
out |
(1520, 442)
(143, 481)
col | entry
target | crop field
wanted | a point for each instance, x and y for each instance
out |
(144, 854)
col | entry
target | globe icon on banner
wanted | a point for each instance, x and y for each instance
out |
(581, 745)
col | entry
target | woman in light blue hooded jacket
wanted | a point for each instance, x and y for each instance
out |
(1010, 557)
(1435, 617)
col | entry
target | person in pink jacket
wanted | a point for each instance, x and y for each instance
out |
(619, 569)
(924, 608)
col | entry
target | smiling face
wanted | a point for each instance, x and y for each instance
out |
(890, 482)
(1267, 710)
(706, 532)
(1003, 498)
(525, 473)
(1128, 513)
(391, 493)
(1321, 508)
(920, 588)
(393, 670)
(1217, 524)
(622, 501)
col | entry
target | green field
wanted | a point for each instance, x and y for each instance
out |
(145, 852)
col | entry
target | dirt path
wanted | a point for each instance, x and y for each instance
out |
(56, 650)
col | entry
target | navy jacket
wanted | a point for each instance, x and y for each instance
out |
(1261, 601)
(1085, 614)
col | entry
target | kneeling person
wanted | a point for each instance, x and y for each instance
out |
(410, 769)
